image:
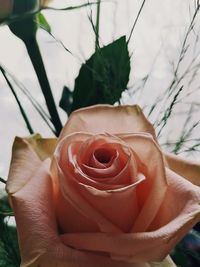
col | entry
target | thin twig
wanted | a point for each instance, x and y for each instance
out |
(97, 25)
(2, 180)
(33, 101)
(135, 22)
(70, 7)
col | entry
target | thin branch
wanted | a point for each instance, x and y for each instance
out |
(97, 25)
(33, 101)
(70, 7)
(2, 180)
(135, 22)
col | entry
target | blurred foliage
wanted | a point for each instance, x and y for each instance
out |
(5, 209)
(187, 252)
(9, 248)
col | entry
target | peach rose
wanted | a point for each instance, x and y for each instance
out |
(6, 7)
(106, 197)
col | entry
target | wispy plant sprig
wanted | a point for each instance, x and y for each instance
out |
(38, 107)
(70, 7)
(168, 111)
(22, 110)
(178, 77)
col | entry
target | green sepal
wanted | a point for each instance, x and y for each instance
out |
(43, 23)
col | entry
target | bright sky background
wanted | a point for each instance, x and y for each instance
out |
(156, 41)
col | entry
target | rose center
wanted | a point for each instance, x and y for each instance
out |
(103, 155)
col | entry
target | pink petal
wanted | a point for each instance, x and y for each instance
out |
(97, 205)
(23, 164)
(34, 215)
(151, 193)
(110, 119)
(184, 167)
(73, 198)
(151, 245)
(39, 240)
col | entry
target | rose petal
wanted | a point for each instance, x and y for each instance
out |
(109, 119)
(70, 162)
(151, 193)
(39, 240)
(81, 205)
(33, 210)
(152, 245)
(186, 168)
(67, 257)
(95, 204)
(44, 147)
(73, 197)
(24, 162)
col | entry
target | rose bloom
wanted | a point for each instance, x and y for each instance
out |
(103, 194)
(6, 7)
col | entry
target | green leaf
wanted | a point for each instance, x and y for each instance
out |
(5, 209)
(43, 22)
(104, 76)
(66, 100)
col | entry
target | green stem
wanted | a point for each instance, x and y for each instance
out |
(18, 102)
(97, 24)
(2, 180)
(36, 58)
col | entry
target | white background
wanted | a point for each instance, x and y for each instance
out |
(155, 43)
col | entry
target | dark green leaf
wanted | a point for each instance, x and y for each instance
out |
(43, 22)
(186, 252)
(104, 76)
(66, 100)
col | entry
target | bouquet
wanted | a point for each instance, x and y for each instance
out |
(108, 187)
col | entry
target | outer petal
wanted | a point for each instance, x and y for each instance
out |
(27, 154)
(152, 245)
(187, 168)
(152, 191)
(44, 147)
(23, 164)
(33, 210)
(106, 118)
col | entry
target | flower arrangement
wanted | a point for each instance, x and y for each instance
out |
(102, 190)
